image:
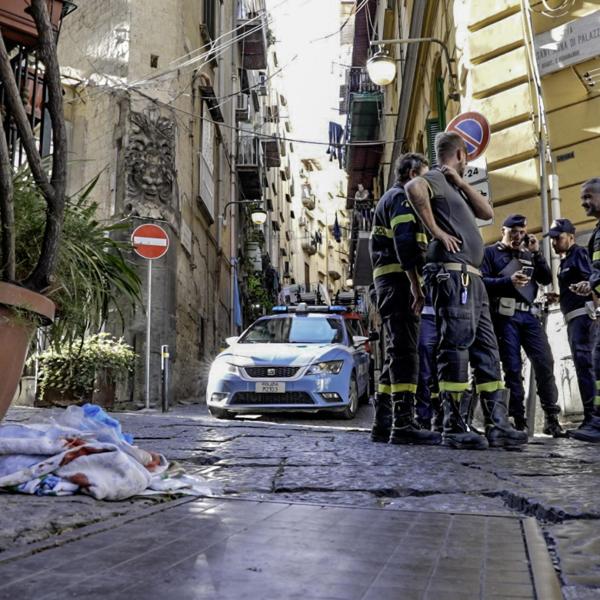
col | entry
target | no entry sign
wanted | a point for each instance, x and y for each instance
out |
(474, 129)
(150, 241)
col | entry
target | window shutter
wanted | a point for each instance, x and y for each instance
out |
(432, 128)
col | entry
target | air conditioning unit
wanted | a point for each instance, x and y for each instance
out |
(242, 108)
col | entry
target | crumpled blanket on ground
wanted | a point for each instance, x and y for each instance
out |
(84, 451)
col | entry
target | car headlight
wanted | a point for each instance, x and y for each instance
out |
(331, 367)
(232, 369)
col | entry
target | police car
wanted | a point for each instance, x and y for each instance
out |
(299, 358)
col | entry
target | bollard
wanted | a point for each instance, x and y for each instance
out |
(165, 372)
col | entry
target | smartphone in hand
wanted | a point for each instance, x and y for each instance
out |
(527, 270)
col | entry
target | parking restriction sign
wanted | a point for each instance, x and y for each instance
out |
(474, 129)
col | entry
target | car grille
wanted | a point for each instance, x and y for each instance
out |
(285, 398)
(271, 371)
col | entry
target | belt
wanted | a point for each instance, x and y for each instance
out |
(428, 310)
(460, 267)
(580, 312)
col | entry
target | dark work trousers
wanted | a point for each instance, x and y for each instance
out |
(596, 336)
(581, 341)
(427, 380)
(525, 330)
(401, 327)
(465, 332)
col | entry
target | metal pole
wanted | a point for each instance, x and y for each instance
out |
(165, 368)
(148, 320)
(555, 211)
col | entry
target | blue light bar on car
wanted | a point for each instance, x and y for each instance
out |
(338, 309)
(279, 309)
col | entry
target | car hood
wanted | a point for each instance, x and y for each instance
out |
(281, 354)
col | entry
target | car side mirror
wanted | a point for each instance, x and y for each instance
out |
(373, 336)
(230, 341)
(359, 340)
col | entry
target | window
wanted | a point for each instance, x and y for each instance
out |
(206, 165)
(210, 17)
(295, 330)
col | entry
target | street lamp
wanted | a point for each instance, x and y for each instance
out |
(258, 215)
(382, 67)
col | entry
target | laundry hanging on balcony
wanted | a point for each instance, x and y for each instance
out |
(336, 133)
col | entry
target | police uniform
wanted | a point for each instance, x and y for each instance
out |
(397, 245)
(427, 398)
(517, 325)
(579, 314)
(590, 432)
(463, 323)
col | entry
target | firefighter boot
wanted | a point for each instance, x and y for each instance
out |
(498, 429)
(456, 432)
(405, 430)
(382, 422)
(552, 426)
(468, 402)
(589, 432)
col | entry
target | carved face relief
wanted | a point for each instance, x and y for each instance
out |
(150, 157)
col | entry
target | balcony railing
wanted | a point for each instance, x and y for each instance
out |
(358, 81)
(248, 154)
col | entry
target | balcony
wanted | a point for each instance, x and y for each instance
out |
(248, 163)
(253, 35)
(364, 103)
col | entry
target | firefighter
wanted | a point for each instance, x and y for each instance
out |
(590, 201)
(448, 206)
(397, 248)
(512, 271)
(578, 311)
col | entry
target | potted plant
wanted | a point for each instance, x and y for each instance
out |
(76, 374)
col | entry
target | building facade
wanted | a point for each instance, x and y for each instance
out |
(171, 103)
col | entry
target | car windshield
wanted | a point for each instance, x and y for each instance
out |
(295, 330)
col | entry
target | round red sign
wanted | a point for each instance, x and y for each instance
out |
(150, 241)
(474, 129)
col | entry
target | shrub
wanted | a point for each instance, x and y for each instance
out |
(73, 370)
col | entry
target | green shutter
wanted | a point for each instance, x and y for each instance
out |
(441, 105)
(432, 128)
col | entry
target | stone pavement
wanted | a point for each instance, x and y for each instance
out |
(553, 481)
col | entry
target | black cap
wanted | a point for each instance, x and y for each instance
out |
(515, 221)
(560, 226)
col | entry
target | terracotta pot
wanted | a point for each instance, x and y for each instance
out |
(18, 26)
(16, 331)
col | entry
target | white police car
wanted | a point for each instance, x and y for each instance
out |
(298, 358)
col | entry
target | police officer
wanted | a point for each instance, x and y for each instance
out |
(397, 247)
(590, 201)
(448, 207)
(428, 408)
(512, 270)
(578, 311)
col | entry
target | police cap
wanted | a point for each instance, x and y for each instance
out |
(560, 226)
(515, 221)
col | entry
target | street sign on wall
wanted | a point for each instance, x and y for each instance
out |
(474, 129)
(150, 241)
(568, 44)
(476, 175)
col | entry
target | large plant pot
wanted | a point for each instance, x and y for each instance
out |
(18, 25)
(19, 308)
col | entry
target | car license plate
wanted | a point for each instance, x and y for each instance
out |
(270, 387)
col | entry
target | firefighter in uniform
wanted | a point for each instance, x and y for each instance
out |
(448, 206)
(397, 248)
(578, 311)
(590, 201)
(512, 270)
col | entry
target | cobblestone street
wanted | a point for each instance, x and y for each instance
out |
(552, 482)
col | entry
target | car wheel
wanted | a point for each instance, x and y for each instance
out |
(220, 413)
(352, 408)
